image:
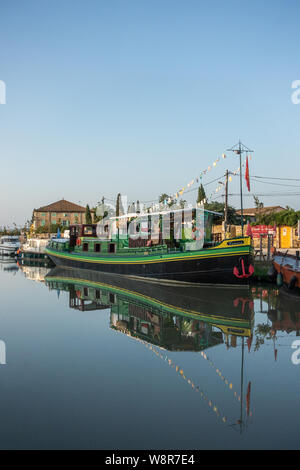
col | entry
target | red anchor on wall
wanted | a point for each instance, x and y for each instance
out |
(243, 275)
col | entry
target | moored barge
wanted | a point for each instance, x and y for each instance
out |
(228, 262)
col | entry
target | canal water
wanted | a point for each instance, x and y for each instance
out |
(96, 362)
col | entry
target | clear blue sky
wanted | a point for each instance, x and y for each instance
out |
(139, 96)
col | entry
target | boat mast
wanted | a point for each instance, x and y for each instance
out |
(242, 385)
(239, 149)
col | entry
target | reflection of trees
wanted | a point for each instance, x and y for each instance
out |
(262, 332)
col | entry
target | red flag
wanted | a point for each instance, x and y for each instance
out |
(249, 230)
(248, 398)
(247, 177)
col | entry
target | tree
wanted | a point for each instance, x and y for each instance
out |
(220, 207)
(138, 209)
(201, 194)
(119, 206)
(131, 208)
(165, 197)
(258, 204)
(88, 215)
(285, 217)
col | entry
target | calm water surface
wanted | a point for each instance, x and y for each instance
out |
(93, 363)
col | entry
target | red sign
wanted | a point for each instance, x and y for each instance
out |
(258, 230)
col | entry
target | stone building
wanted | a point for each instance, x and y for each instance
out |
(252, 214)
(59, 213)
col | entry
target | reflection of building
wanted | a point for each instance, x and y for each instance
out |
(176, 318)
(171, 331)
(34, 273)
(59, 213)
(286, 315)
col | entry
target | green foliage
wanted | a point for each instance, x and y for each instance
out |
(262, 332)
(118, 205)
(53, 228)
(201, 194)
(6, 231)
(131, 208)
(286, 217)
(164, 197)
(220, 207)
(88, 215)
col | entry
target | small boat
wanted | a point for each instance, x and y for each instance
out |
(170, 260)
(9, 245)
(8, 264)
(34, 249)
(287, 267)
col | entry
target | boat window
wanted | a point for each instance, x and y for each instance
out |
(97, 294)
(112, 248)
(97, 247)
(85, 291)
(112, 298)
(85, 247)
(88, 230)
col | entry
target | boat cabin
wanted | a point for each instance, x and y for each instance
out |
(9, 239)
(145, 233)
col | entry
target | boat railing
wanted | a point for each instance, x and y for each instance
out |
(60, 240)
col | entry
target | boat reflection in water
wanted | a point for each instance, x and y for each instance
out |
(168, 318)
(34, 273)
(189, 318)
(8, 264)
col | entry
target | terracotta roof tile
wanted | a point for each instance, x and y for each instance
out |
(261, 210)
(61, 206)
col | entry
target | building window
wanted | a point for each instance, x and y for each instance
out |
(112, 248)
(97, 247)
(54, 214)
(54, 221)
(43, 223)
(43, 214)
(66, 215)
(85, 247)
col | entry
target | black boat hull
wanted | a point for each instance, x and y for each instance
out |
(212, 270)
